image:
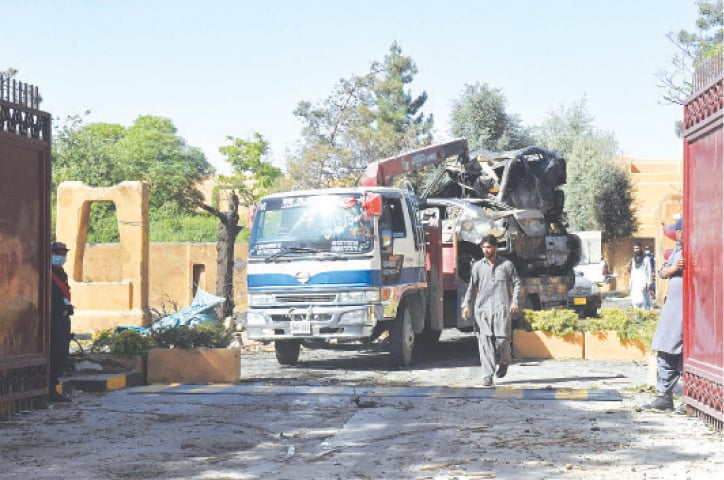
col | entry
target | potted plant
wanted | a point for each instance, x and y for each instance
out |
(619, 334)
(193, 354)
(548, 334)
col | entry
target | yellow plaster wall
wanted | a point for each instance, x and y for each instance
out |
(171, 271)
(112, 301)
(122, 283)
(657, 188)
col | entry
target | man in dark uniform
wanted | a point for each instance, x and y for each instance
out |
(60, 311)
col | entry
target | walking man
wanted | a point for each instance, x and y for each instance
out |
(669, 338)
(492, 296)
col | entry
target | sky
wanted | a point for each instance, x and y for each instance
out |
(222, 67)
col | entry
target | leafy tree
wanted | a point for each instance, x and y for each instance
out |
(599, 194)
(367, 117)
(251, 178)
(150, 150)
(692, 48)
(400, 121)
(479, 115)
(103, 154)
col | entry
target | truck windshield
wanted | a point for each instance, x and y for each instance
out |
(324, 223)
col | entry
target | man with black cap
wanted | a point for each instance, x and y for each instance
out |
(669, 338)
(60, 311)
(493, 296)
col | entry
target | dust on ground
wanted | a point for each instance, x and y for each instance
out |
(322, 419)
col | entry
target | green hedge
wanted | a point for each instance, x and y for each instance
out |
(558, 322)
(629, 325)
(129, 342)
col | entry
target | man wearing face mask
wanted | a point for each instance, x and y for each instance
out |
(60, 311)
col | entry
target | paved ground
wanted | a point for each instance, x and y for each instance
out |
(344, 415)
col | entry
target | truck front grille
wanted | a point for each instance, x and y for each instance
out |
(308, 298)
(323, 317)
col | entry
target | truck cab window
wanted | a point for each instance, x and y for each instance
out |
(395, 216)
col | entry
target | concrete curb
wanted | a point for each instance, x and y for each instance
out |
(500, 392)
(102, 382)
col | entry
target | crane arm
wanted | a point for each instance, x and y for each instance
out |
(382, 172)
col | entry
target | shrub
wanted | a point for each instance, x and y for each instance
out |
(630, 325)
(130, 342)
(209, 334)
(101, 340)
(558, 322)
(183, 227)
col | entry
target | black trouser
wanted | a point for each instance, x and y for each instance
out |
(59, 345)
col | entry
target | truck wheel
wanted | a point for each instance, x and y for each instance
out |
(402, 340)
(287, 351)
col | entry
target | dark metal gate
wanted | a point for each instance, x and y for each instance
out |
(703, 245)
(25, 137)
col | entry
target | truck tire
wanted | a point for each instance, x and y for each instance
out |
(287, 351)
(402, 339)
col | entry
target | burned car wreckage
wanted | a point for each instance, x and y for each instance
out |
(514, 195)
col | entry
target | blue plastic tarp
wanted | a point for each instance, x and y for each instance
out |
(197, 312)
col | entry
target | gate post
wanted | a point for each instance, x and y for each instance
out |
(703, 240)
(25, 138)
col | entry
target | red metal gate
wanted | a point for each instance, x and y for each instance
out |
(25, 136)
(703, 244)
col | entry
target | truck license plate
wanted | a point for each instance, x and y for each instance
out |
(579, 301)
(301, 327)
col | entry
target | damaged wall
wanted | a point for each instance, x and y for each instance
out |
(123, 283)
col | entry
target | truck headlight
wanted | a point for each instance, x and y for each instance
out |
(360, 296)
(354, 317)
(257, 299)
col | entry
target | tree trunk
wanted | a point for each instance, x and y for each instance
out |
(229, 229)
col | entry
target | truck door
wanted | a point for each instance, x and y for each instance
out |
(402, 254)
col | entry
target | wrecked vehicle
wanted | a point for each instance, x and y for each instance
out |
(514, 195)
(348, 265)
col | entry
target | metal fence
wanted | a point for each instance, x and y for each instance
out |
(19, 114)
(19, 93)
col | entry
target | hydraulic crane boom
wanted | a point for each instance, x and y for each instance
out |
(382, 172)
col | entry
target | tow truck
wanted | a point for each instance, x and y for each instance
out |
(347, 265)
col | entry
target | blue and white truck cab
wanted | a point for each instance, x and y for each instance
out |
(336, 265)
